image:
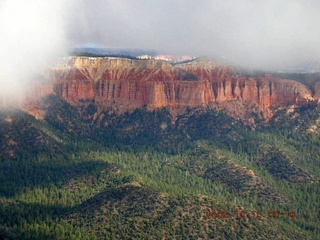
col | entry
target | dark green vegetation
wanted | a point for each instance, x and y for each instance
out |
(90, 54)
(185, 76)
(185, 61)
(141, 175)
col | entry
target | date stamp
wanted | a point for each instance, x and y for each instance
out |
(243, 214)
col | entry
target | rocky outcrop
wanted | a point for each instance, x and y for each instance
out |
(129, 84)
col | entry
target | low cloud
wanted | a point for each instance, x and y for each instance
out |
(261, 34)
(33, 35)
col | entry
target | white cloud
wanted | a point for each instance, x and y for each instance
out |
(273, 33)
(33, 34)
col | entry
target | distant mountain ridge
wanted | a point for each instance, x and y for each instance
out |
(114, 51)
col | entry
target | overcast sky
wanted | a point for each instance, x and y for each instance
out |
(261, 34)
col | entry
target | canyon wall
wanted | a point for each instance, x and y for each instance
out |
(129, 84)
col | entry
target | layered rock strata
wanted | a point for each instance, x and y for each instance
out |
(137, 83)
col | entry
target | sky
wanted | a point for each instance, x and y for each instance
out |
(261, 34)
(272, 34)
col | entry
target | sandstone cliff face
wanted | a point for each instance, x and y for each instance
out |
(130, 84)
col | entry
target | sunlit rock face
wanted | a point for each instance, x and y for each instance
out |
(153, 83)
(125, 84)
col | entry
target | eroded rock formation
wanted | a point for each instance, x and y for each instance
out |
(124, 84)
(129, 84)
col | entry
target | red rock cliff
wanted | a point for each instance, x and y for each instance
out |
(128, 84)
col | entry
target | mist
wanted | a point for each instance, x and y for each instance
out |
(33, 36)
(274, 34)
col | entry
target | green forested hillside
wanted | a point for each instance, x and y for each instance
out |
(142, 175)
